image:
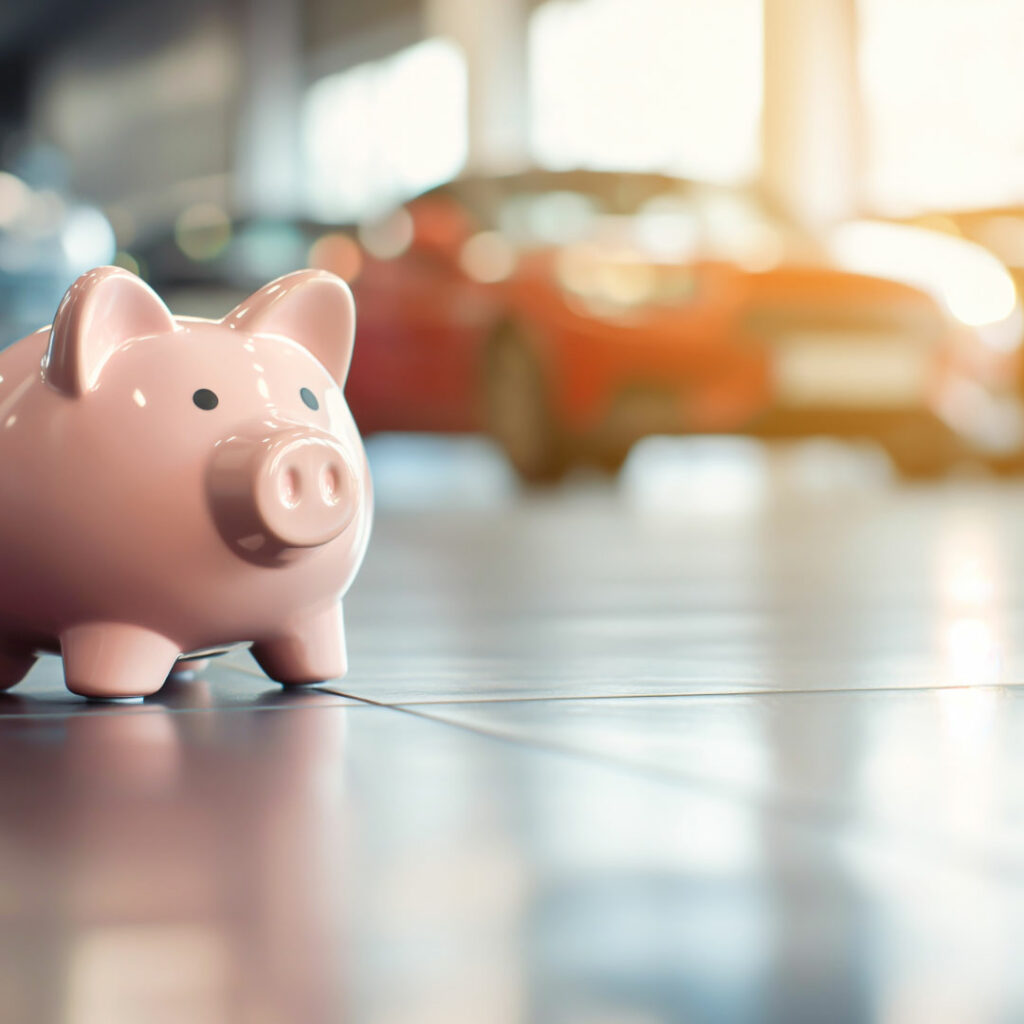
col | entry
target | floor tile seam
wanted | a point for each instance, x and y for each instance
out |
(752, 692)
(816, 815)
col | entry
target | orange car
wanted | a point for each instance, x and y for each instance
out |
(572, 313)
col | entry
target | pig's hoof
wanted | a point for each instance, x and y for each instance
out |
(313, 653)
(105, 660)
(297, 666)
(298, 676)
(14, 666)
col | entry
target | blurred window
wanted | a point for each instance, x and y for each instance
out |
(647, 85)
(662, 217)
(944, 102)
(547, 217)
(737, 226)
(381, 132)
(608, 280)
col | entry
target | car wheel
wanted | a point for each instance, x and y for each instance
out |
(519, 414)
(1007, 465)
(610, 460)
(920, 453)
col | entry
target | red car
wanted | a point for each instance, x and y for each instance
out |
(572, 313)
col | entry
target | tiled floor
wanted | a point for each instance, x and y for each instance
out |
(732, 740)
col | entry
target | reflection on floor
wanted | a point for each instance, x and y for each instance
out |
(731, 739)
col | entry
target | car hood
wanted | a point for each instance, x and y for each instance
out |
(799, 284)
(842, 298)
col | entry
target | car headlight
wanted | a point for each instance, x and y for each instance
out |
(970, 283)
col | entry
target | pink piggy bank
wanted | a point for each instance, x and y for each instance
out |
(171, 485)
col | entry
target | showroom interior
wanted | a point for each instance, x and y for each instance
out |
(660, 364)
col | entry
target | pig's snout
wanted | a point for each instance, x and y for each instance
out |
(304, 491)
(292, 489)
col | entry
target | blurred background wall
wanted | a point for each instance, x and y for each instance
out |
(130, 130)
(144, 103)
(228, 100)
(330, 106)
(333, 108)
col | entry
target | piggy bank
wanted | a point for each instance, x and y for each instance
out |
(171, 486)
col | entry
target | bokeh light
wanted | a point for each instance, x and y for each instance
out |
(202, 230)
(337, 253)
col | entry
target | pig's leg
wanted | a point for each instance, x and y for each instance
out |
(313, 650)
(14, 664)
(112, 659)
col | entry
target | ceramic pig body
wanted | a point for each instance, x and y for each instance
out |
(169, 485)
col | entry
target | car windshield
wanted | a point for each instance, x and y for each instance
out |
(610, 281)
(662, 217)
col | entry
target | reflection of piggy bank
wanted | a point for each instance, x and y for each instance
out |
(173, 485)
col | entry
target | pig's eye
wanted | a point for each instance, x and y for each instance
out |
(309, 398)
(205, 399)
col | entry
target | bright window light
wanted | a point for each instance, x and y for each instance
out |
(381, 132)
(654, 85)
(944, 103)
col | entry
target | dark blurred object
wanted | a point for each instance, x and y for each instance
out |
(572, 313)
(46, 240)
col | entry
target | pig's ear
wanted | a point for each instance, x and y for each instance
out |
(100, 312)
(311, 307)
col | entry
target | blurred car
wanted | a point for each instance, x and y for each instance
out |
(572, 313)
